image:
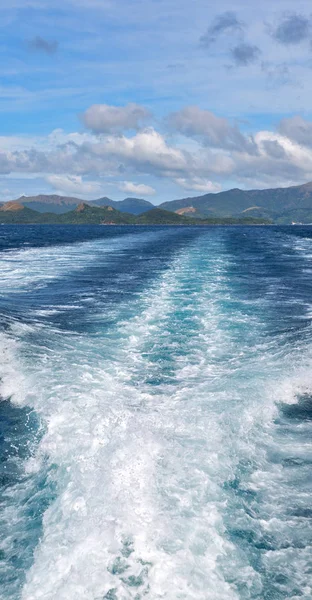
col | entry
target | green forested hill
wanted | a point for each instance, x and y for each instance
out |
(281, 205)
(53, 203)
(158, 216)
(277, 205)
(94, 215)
(13, 212)
(84, 214)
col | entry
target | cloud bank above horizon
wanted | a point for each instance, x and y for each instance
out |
(127, 104)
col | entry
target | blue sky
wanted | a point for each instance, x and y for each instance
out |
(157, 99)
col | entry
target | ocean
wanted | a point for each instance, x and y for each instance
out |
(155, 414)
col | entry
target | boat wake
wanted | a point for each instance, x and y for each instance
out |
(168, 453)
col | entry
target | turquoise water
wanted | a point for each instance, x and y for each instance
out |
(155, 423)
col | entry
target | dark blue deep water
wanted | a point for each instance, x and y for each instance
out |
(156, 413)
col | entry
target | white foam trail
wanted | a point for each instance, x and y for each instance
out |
(14, 383)
(111, 495)
(146, 425)
(31, 268)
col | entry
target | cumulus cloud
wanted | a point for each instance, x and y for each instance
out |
(297, 129)
(293, 29)
(214, 131)
(245, 54)
(198, 184)
(294, 164)
(218, 152)
(73, 184)
(226, 22)
(59, 137)
(40, 44)
(146, 151)
(102, 118)
(29, 160)
(137, 188)
(273, 149)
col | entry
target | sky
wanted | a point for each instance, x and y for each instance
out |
(157, 99)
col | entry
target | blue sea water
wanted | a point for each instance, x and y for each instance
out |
(155, 414)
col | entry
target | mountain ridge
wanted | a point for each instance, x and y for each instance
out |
(280, 205)
(86, 214)
(62, 204)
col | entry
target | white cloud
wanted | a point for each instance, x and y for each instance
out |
(146, 151)
(216, 132)
(198, 184)
(280, 162)
(58, 137)
(102, 118)
(78, 164)
(73, 184)
(298, 129)
(137, 188)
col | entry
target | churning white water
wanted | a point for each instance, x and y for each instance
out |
(178, 471)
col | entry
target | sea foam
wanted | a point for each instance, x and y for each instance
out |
(169, 449)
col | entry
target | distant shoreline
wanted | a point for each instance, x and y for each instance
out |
(160, 224)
